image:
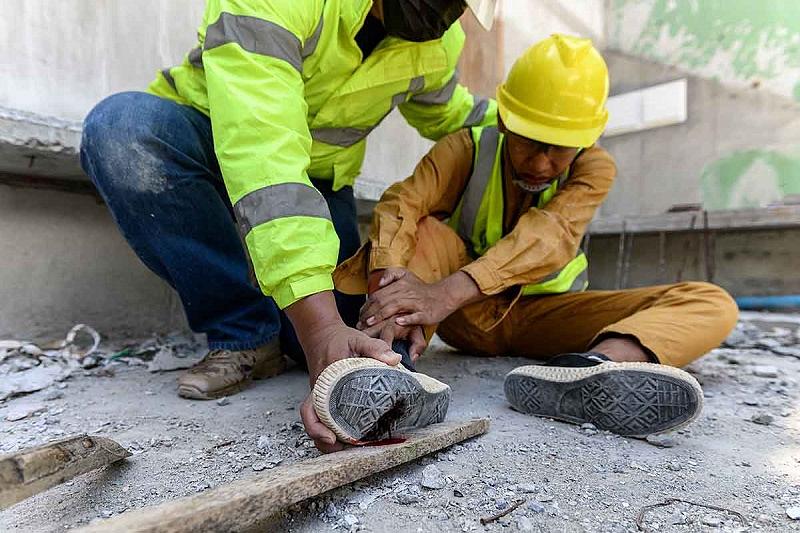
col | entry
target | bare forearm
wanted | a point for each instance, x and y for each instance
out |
(459, 289)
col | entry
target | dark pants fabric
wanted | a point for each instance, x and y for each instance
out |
(154, 164)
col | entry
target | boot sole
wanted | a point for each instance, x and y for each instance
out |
(363, 400)
(630, 399)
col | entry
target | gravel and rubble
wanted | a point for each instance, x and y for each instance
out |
(569, 478)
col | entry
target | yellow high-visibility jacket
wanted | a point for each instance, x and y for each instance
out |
(290, 95)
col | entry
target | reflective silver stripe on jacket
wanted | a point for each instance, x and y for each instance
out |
(196, 57)
(478, 112)
(168, 76)
(439, 96)
(348, 136)
(279, 201)
(311, 44)
(478, 181)
(257, 36)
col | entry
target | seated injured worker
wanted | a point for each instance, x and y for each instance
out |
(482, 245)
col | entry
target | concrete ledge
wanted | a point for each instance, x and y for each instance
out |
(35, 145)
(760, 218)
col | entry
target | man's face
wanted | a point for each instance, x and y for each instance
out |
(420, 20)
(536, 163)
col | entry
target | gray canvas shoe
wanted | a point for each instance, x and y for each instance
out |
(362, 400)
(226, 372)
(630, 399)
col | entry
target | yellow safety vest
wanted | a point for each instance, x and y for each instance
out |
(478, 219)
(290, 95)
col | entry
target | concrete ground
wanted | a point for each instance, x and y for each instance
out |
(571, 478)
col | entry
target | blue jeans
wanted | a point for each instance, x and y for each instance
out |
(154, 164)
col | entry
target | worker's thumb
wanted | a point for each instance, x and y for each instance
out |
(376, 349)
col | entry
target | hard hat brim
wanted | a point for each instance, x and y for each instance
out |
(483, 11)
(559, 134)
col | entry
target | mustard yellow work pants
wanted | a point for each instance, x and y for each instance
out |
(677, 323)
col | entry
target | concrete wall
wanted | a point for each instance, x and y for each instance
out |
(746, 263)
(741, 144)
(739, 148)
(60, 58)
(64, 262)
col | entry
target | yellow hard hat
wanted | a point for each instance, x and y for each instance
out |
(556, 93)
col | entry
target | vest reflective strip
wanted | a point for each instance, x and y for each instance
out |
(345, 137)
(311, 44)
(279, 201)
(257, 36)
(168, 76)
(576, 268)
(196, 57)
(478, 112)
(439, 96)
(478, 181)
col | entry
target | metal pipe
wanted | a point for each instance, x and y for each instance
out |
(784, 301)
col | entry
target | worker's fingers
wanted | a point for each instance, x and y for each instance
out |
(319, 432)
(388, 333)
(374, 331)
(420, 318)
(364, 346)
(398, 306)
(391, 275)
(418, 343)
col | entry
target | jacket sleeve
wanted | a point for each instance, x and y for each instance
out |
(433, 189)
(447, 106)
(252, 56)
(545, 240)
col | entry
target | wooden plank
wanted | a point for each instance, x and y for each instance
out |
(243, 504)
(761, 218)
(34, 470)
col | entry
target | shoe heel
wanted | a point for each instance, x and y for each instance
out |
(270, 367)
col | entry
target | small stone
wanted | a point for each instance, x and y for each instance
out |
(258, 466)
(765, 371)
(793, 512)
(501, 504)
(536, 507)
(223, 401)
(752, 402)
(527, 488)
(662, 441)
(457, 493)
(264, 443)
(711, 521)
(407, 498)
(588, 427)
(762, 419)
(350, 520)
(524, 524)
(432, 478)
(53, 394)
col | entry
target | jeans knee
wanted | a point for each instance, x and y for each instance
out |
(116, 146)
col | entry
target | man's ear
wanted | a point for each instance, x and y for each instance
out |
(500, 126)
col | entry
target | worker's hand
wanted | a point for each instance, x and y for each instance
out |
(400, 292)
(389, 331)
(325, 339)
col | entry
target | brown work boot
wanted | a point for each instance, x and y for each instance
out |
(226, 372)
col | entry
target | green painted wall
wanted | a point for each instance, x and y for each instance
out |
(739, 41)
(750, 178)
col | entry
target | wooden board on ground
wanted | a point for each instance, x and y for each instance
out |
(244, 504)
(34, 470)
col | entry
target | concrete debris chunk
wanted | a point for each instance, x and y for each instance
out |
(793, 512)
(536, 507)
(662, 441)
(765, 371)
(223, 401)
(432, 478)
(763, 419)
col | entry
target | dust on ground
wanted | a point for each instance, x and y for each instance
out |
(742, 454)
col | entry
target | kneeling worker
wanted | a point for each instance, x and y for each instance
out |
(482, 244)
